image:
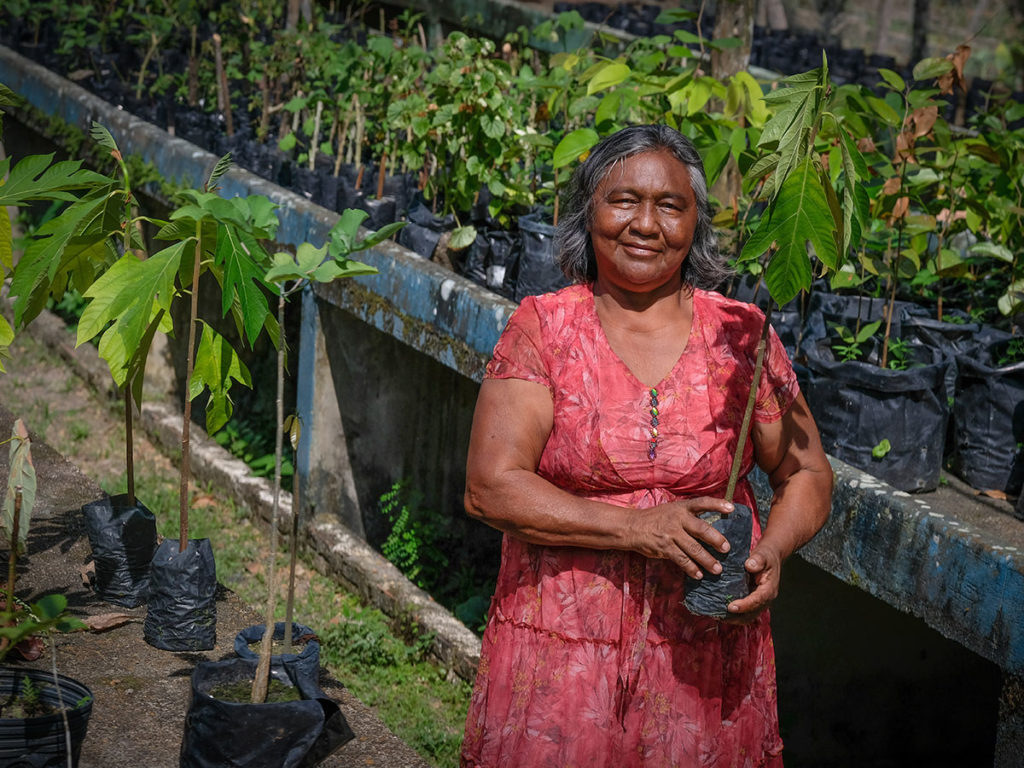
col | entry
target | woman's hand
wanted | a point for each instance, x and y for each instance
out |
(765, 568)
(674, 531)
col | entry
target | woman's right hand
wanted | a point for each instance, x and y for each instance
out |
(674, 531)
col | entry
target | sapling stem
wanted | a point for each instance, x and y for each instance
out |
(316, 135)
(381, 175)
(129, 450)
(741, 443)
(223, 96)
(186, 420)
(261, 681)
(60, 700)
(12, 561)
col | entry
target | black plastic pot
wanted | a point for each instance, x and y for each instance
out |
(123, 540)
(40, 742)
(423, 231)
(858, 405)
(305, 663)
(538, 271)
(295, 734)
(989, 421)
(182, 613)
(711, 595)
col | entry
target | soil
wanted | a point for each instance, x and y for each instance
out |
(140, 693)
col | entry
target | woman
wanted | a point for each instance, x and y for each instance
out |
(605, 425)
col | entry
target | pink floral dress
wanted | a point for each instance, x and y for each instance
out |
(589, 657)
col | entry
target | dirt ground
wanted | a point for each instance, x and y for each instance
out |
(140, 693)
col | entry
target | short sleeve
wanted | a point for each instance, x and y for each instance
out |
(778, 387)
(518, 353)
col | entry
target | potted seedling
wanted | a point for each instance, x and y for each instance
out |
(801, 208)
(308, 726)
(43, 716)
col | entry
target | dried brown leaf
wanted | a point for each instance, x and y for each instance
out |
(101, 622)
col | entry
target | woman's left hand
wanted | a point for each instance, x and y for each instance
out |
(765, 568)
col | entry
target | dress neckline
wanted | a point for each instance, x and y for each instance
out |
(694, 328)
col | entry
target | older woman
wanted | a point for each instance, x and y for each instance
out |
(604, 427)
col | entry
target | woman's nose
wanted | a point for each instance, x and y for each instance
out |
(644, 220)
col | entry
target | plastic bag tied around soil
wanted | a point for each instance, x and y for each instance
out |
(123, 540)
(182, 613)
(988, 412)
(294, 734)
(305, 663)
(858, 405)
(39, 742)
(711, 595)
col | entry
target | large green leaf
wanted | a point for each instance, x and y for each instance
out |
(33, 178)
(127, 297)
(573, 145)
(80, 232)
(242, 275)
(21, 474)
(608, 76)
(217, 364)
(800, 215)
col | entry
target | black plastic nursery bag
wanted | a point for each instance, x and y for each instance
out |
(988, 412)
(711, 595)
(182, 613)
(305, 664)
(294, 734)
(123, 540)
(858, 405)
(538, 270)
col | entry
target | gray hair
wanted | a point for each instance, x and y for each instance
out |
(702, 268)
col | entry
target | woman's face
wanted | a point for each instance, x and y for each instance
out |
(645, 213)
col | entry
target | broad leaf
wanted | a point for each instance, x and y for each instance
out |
(242, 274)
(6, 338)
(574, 145)
(33, 178)
(21, 474)
(216, 365)
(462, 237)
(799, 215)
(608, 76)
(128, 296)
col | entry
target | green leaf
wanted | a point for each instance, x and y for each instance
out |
(995, 250)
(931, 68)
(223, 166)
(799, 215)
(886, 113)
(103, 137)
(608, 76)
(33, 178)
(343, 235)
(242, 275)
(50, 607)
(216, 365)
(867, 331)
(882, 449)
(128, 296)
(573, 145)
(462, 237)
(287, 143)
(21, 474)
(292, 427)
(6, 337)
(895, 82)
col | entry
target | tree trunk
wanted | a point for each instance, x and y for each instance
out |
(919, 40)
(734, 18)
